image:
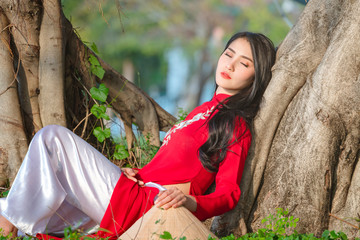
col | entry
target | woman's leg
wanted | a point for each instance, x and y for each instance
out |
(60, 171)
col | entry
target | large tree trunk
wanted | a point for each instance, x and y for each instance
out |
(13, 141)
(306, 143)
(305, 151)
(24, 22)
(41, 57)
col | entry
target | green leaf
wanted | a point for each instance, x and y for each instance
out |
(165, 235)
(325, 234)
(343, 236)
(121, 152)
(99, 111)
(93, 61)
(98, 71)
(100, 134)
(94, 48)
(333, 234)
(5, 193)
(95, 67)
(100, 93)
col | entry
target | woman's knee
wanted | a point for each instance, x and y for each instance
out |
(47, 133)
(52, 129)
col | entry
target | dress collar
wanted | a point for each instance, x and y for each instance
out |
(220, 96)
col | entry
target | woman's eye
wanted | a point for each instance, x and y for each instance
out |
(226, 54)
(245, 65)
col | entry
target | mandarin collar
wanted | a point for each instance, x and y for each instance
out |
(220, 96)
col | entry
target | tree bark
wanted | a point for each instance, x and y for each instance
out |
(13, 141)
(25, 17)
(305, 151)
(51, 65)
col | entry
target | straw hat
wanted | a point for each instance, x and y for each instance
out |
(179, 222)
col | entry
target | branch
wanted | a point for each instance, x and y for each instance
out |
(133, 104)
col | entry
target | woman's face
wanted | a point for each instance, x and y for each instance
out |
(235, 69)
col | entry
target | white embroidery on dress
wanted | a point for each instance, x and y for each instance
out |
(186, 123)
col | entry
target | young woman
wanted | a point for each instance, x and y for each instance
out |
(64, 181)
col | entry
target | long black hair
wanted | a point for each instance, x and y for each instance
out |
(243, 105)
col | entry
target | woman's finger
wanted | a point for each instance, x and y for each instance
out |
(175, 202)
(129, 171)
(130, 174)
(172, 197)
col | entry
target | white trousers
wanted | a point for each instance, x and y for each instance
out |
(63, 181)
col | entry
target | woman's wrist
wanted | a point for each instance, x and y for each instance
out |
(190, 203)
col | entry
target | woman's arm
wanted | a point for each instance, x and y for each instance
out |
(227, 191)
(173, 197)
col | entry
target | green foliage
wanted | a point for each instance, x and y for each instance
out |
(102, 134)
(95, 67)
(4, 193)
(279, 223)
(70, 234)
(277, 226)
(10, 236)
(100, 93)
(333, 235)
(94, 47)
(99, 111)
(144, 150)
(121, 152)
(181, 115)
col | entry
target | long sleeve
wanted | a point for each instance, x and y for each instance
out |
(227, 192)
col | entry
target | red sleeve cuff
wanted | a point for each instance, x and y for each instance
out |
(215, 205)
(200, 212)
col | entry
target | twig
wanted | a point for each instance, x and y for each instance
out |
(18, 66)
(82, 121)
(8, 87)
(86, 122)
(332, 215)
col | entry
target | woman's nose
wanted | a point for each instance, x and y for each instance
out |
(230, 67)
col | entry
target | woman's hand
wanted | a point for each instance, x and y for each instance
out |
(173, 197)
(130, 174)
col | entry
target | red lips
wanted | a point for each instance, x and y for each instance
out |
(225, 75)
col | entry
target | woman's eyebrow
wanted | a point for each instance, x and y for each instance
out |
(241, 55)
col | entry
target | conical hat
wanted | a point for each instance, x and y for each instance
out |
(179, 222)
